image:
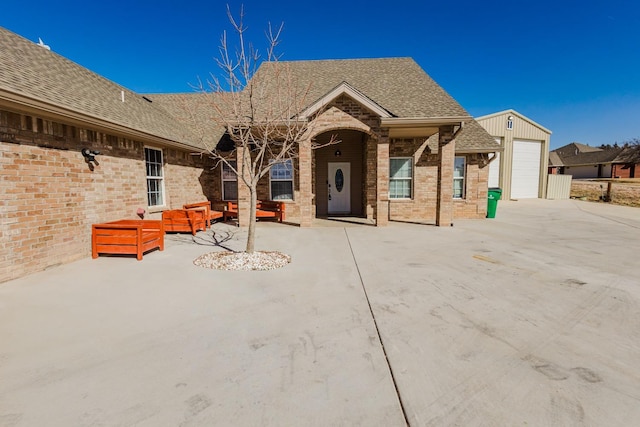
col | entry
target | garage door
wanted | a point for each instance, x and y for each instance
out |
(494, 169)
(525, 173)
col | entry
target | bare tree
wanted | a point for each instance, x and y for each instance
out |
(256, 99)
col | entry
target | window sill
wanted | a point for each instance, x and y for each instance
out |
(156, 209)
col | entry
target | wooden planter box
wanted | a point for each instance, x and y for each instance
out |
(127, 236)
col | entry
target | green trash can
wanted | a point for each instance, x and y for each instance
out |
(492, 201)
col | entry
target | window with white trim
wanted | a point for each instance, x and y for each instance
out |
(458, 177)
(229, 181)
(400, 177)
(155, 177)
(281, 180)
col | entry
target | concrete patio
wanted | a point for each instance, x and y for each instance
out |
(532, 318)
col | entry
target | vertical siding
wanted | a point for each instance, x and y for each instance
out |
(558, 187)
(522, 130)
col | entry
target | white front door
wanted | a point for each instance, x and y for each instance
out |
(339, 188)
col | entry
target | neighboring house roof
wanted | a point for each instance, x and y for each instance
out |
(629, 155)
(36, 77)
(514, 113)
(575, 148)
(589, 158)
(554, 159)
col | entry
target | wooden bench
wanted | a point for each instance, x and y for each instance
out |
(210, 214)
(127, 236)
(184, 220)
(264, 210)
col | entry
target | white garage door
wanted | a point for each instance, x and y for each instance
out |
(525, 173)
(494, 169)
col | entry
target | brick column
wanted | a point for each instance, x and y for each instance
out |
(446, 157)
(371, 155)
(305, 172)
(244, 196)
(382, 182)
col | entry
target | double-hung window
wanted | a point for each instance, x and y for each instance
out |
(400, 177)
(458, 177)
(229, 181)
(281, 180)
(155, 178)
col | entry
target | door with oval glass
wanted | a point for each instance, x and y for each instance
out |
(339, 188)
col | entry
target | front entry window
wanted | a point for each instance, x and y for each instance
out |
(458, 178)
(229, 181)
(400, 177)
(281, 180)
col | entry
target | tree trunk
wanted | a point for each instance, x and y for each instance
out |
(253, 202)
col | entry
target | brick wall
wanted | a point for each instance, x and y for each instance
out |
(422, 206)
(49, 197)
(474, 205)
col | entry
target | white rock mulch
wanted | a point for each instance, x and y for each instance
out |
(267, 260)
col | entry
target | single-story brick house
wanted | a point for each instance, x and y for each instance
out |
(583, 161)
(408, 152)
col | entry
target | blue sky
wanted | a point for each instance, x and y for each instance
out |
(571, 66)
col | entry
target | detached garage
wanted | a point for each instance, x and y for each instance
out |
(521, 169)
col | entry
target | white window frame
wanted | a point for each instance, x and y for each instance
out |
(462, 178)
(159, 177)
(227, 179)
(410, 178)
(272, 179)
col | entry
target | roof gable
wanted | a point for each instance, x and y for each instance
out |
(344, 88)
(512, 112)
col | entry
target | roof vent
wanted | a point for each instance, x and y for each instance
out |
(122, 95)
(41, 44)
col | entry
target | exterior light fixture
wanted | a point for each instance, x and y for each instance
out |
(510, 123)
(90, 157)
(337, 153)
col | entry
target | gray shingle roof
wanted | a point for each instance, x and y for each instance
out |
(629, 155)
(31, 71)
(554, 159)
(589, 158)
(473, 138)
(195, 111)
(575, 148)
(399, 85)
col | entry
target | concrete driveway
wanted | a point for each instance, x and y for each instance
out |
(532, 318)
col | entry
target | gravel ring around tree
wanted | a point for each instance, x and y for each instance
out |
(267, 260)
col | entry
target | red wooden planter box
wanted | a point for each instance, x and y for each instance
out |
(127, 236)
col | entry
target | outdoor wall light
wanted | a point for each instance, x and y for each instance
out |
(90, 157)
(338, 153)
